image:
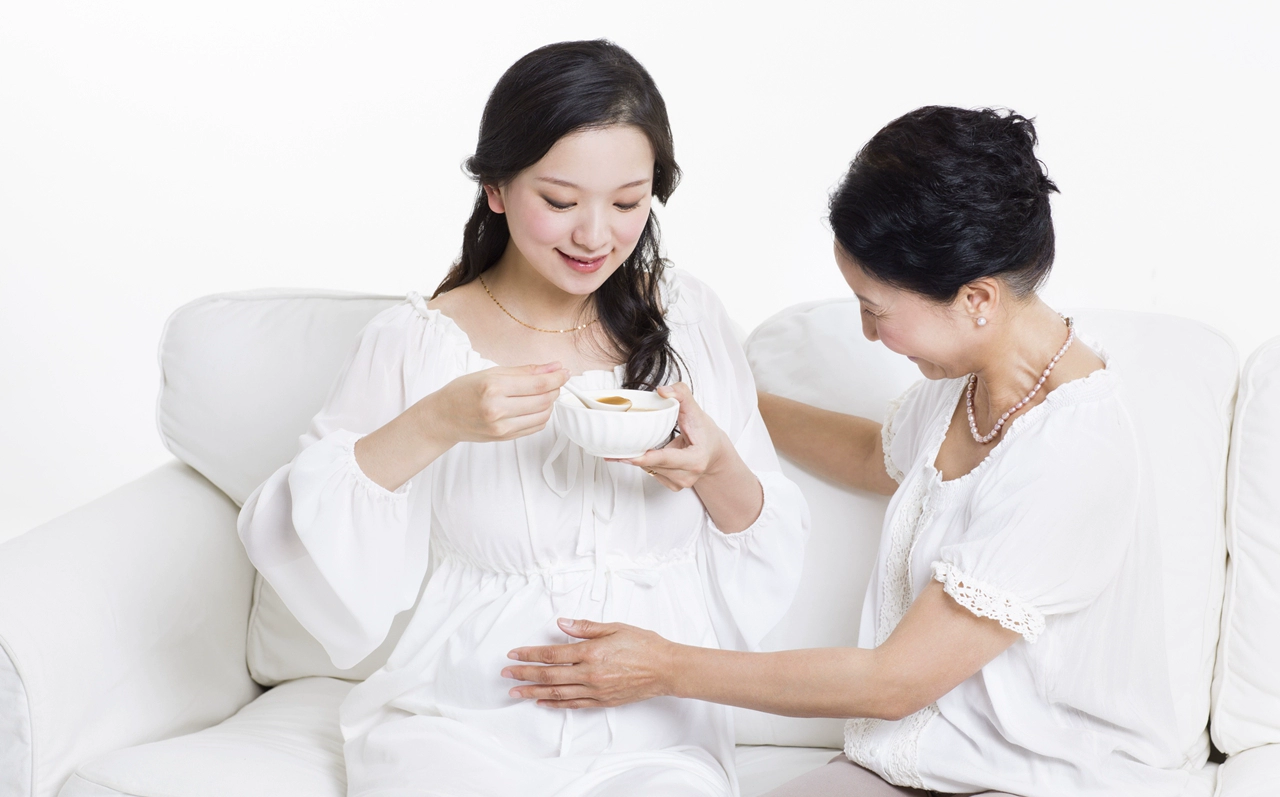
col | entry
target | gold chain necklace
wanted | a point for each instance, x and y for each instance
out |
(578, 328)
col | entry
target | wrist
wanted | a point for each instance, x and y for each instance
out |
(430, 424)
(675, 658)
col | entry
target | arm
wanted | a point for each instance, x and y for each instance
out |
(937, 646)
(846, 449)
(495, 404)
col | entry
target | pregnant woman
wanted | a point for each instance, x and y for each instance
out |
(438, 438)
(1012, 634)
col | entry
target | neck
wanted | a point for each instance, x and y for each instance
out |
(1026, 342)
(530, 296)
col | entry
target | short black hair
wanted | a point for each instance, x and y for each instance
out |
(943, 196)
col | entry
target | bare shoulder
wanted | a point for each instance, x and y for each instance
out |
(457, 301)
(1079, 361)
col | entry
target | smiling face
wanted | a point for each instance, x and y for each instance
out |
(936, 337)
(577, 214)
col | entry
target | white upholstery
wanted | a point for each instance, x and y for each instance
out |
(243, 374)
(816, 353)
(1246, 694)
(1253, 773)
(286, 743)
(125, 621)
(129, 620)
(1181, 379)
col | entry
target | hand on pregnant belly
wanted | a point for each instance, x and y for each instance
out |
(496, 403)
(615, 665)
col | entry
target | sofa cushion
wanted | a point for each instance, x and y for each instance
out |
(1180, 378)
(287, 743)
(1253, 773)
(1246, 687)
(242, 376)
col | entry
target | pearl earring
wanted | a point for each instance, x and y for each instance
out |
(982, 322)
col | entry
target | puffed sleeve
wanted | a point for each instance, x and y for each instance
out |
(750, 577)
(345, 554)
(1051, 521)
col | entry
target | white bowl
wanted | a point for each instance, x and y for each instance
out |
(618, 435)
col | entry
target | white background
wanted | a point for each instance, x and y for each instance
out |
(151, 153)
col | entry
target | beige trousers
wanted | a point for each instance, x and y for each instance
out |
(843, 778)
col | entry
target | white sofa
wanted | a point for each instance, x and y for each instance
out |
(136, 639)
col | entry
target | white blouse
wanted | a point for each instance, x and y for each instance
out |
(1053, 536)
(521, 533)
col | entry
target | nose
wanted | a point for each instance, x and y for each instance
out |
(869, 328)
(592, 231)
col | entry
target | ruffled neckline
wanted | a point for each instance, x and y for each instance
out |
(1095, 385)
(474, 361)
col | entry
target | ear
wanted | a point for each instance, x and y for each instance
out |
(980, 298)
(496, 203)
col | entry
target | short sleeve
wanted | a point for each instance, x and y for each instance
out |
(1050, 521)
(894, 420)
(345, 554)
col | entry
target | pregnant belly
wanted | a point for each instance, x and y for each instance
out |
(450, 660)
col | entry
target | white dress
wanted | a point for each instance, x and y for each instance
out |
(1053, 535)
(520, 533)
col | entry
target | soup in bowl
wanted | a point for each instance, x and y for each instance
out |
(617, 435)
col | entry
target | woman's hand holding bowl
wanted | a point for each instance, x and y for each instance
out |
(703, 457)
(697, 451)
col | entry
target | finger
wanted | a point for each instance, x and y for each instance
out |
(517, 406)
(550, 654)
(552, 674)
(522, 425)
(524, 370)
(570, 692)
(533, 384)
(668, 459)
(580, 703)
(586, 629)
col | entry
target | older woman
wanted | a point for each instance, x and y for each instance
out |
(1012, 635)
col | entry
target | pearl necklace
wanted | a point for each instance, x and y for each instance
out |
(578, 328)
(973, 381)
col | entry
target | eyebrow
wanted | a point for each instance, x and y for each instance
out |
(567, 184)
(865, 300)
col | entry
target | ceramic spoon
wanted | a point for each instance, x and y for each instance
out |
(610, 403)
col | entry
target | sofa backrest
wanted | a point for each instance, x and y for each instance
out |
(244, 373)
(1246, 686)
(1180, 379)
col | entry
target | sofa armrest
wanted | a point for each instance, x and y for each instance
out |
(121, 622)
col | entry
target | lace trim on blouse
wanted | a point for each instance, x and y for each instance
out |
(896, 597)
(986, 600)
(900, 766)
(886, 435)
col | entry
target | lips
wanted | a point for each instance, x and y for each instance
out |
(582, 265)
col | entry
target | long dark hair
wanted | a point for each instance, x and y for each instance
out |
(548, 94)
(943, 196)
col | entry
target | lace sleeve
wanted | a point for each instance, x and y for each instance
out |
(986, 600)
(889, 429)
